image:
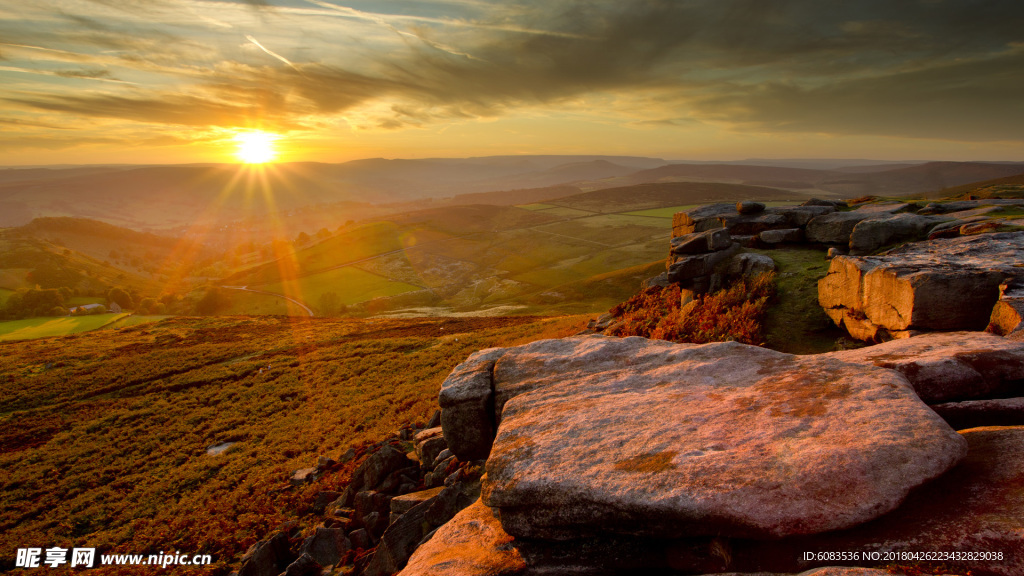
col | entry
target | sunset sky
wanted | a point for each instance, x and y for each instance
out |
(173, 81)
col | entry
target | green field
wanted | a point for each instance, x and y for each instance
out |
(133, 320)
(661, 212)
(242, 303)
(352, 286)
(536, 206)
(45, 327)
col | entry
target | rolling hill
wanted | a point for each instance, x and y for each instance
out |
(532, 258)
(160, 197)
(885, 180)
(1008, 187)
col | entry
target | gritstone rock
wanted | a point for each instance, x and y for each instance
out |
(745, 440)
(943, 284)
(950, 366)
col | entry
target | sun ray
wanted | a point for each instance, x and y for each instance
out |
(256, 147)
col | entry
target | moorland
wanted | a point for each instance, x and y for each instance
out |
(302, 310)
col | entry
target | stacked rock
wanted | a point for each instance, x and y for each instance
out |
(693, 258)
(393, 502)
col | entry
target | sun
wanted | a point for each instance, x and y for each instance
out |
(256, 147)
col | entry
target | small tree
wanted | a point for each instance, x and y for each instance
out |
(121, 297)
(148, 306)
(213, 301)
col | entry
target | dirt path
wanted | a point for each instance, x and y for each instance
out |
(288, 298)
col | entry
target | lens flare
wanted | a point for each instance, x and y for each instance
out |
(256, 147)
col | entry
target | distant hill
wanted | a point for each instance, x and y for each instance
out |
(664, 194)
(162, 197)
(1009, 187)
(27, 261)
(139, 253)
(933, 177)
(851, 181)
(310, 195)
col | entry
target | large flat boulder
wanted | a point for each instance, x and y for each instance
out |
(835, 227)
(649, 438)
(942, 284)
(874, 233)
(975, 511)
(950, 366)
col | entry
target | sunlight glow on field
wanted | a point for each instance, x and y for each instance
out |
(256, 147)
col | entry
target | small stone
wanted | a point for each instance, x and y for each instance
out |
(444, 455)
(303, 566)
(324, 462)
(749, 207)
(402, 504)
(376, 523)
(985, 227)
(303, 476)
(782, 236)
(267, 558)
(326, 546)
(435, 420)
(360, 539)
(323, 499)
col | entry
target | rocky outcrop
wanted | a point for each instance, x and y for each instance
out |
(944, 284)
(976, 507)
(950, 366)
(748, 223)
(687, 468)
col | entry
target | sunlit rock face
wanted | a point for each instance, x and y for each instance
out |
(942, 284)
(950, 366)
(640, 437)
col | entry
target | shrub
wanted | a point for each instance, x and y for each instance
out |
(734, 313)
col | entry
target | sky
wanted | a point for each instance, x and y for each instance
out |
(176, 81)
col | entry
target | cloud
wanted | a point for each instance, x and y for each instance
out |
(977, 100)
(937, 70)
(170, 109)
